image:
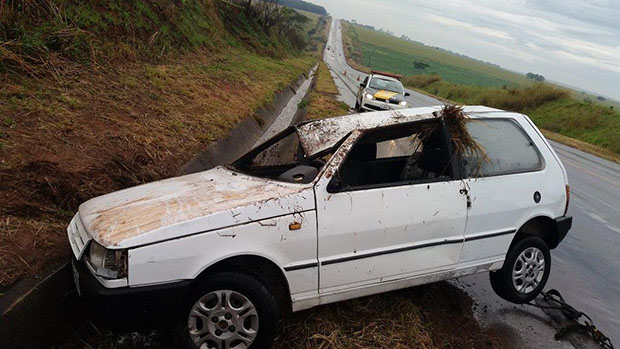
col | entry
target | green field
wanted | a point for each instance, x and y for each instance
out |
(381, 51)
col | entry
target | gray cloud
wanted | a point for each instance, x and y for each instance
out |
(569, 41)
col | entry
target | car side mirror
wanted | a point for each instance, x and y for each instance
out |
(407, 94)
(362, 85)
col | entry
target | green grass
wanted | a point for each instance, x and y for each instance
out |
(314, 20)
(70, 31)
(322, 101)
(385, 52)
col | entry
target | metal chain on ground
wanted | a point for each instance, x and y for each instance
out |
(586, 327)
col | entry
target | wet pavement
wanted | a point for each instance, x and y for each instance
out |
(586, 265)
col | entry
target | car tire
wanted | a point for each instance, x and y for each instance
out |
(215, 316)
(525, 271)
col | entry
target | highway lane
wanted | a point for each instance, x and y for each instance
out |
(585, 267)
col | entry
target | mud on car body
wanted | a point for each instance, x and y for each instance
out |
(326, 211)
(381, 91)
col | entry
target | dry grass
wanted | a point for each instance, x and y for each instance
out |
(420, 317)
(463, 143)
(322, 101)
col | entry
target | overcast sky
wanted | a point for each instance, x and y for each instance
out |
(572, 42)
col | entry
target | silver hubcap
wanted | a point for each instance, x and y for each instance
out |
(223, 319)
(528, 270)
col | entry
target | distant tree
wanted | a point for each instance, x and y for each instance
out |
(275, 18)
(420, 65)
(535, 77)
(304, 6)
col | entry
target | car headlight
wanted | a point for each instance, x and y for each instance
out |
(403, 103)
(369, 96)
(109, 264)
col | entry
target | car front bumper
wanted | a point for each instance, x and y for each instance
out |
(375, 105)
(127, 299)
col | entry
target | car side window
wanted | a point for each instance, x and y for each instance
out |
(508, 149)
(396, 156)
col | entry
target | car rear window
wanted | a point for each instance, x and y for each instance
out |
(508, 148)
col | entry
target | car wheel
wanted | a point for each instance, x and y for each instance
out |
(525, 271)
(231, 310)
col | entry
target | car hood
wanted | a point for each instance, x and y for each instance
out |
(384, 94)
(187, 205)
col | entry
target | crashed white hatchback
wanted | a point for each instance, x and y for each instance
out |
(326, 211)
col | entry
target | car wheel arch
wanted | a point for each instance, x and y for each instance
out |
(266, 271)
(541, 226)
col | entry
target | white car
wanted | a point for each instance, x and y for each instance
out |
(326, 211)
(381, 91)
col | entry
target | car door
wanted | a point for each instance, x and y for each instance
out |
(502, 187)
(380, 216)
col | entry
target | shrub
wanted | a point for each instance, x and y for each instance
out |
(420, 81)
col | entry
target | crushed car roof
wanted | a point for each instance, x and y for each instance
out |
(320, 135)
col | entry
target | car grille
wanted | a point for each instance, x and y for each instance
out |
(78, 238)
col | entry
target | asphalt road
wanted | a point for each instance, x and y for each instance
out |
(585, 267)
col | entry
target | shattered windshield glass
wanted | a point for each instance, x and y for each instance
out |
(282, 158)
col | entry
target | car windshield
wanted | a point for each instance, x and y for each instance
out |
(388, 85)
(282, 158)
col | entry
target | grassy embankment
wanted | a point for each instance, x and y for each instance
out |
(97, 98)
(317, 28)
(321, 101)
(561, 113)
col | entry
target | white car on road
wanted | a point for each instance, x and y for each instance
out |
(381, 91)
(326, 211)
